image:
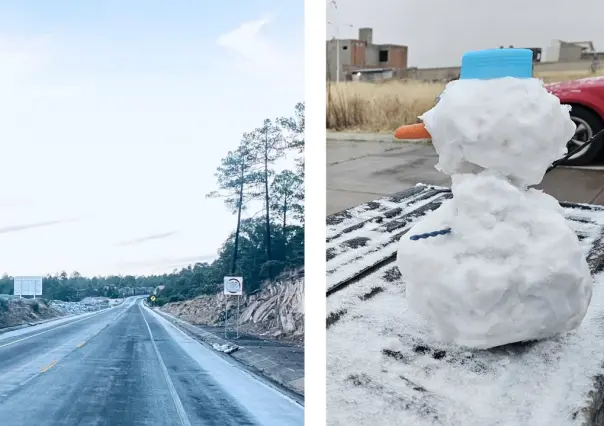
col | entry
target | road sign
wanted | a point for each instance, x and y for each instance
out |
(233, 286)
(153, 298)
(27, 286)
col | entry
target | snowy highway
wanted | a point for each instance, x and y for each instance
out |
(128, 366)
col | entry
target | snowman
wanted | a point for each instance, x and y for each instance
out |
(497, 263)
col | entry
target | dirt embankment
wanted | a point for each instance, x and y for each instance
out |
(276, 312)
(17, 312)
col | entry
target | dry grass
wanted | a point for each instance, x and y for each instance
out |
(382, 107)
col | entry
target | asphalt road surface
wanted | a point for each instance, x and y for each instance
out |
(128, 366)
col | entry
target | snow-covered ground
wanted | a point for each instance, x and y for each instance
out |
(385, 367)
(361, 237)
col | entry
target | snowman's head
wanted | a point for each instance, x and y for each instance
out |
(496, 117)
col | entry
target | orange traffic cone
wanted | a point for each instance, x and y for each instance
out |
(412, 131)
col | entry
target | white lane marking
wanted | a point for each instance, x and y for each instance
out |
(53, 328)
(180, 409)
(594, 168)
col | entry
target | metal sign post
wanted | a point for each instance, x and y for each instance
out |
(226, 300)
(238, 304)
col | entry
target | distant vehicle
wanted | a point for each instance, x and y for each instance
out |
(586, 97)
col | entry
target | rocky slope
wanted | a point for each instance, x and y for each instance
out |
(277, 311)
(88, 304)
(15, 312)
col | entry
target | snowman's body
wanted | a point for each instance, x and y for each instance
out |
(511, 269)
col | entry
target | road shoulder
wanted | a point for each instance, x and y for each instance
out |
(271, 370)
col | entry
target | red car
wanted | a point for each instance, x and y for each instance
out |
(586, 96)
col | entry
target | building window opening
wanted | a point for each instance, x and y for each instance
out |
(383, 56)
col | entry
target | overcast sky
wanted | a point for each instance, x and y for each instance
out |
(438, 32)
(115, 115)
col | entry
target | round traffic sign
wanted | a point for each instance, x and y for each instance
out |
(233, 285)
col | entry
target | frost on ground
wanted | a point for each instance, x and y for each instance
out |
(386, 367)
(364, 235)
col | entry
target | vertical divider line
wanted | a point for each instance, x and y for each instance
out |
(180, 409)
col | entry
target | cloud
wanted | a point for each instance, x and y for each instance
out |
(67, 108)
(147, 238)
(247, 41)
(17, 228)
(23, 58)
(167, 263)
(14, 203)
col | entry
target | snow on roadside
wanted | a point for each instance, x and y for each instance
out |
(226, 348)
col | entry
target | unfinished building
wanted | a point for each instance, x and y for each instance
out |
(349, 59)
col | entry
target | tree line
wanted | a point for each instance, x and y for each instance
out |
(261, 246)
(75, 287)
(247, 174)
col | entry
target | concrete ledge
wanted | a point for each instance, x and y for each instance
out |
(369, 137)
